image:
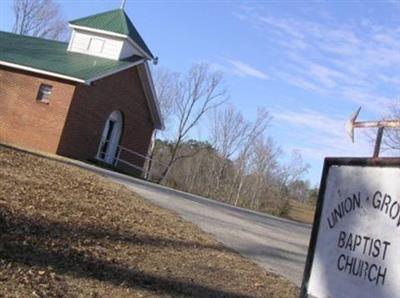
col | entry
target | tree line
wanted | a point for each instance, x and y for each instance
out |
(237, 162)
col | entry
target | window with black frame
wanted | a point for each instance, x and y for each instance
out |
(44, 93)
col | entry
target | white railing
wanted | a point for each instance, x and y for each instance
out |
(118, 159)
(115, 156)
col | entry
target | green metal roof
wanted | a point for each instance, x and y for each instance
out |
(52, 56)
(114, 21)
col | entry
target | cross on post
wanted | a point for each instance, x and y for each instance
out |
(381, 125)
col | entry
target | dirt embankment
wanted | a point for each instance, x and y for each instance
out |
(67, 233)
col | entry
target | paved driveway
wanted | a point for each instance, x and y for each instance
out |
(276, 244)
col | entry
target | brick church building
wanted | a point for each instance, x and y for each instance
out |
(91, 98)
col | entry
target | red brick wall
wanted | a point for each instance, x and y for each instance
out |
(73, 122)
(91, 107)
(23, 120)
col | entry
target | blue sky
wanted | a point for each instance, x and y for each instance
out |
(310, 63)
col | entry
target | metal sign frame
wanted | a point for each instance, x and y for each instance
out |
(328, 163)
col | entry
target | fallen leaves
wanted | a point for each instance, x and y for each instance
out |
(65, 232)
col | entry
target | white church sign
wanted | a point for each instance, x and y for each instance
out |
(355, 243)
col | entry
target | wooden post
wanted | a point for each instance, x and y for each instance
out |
(378, 142)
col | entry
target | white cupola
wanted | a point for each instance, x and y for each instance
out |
(109, 35)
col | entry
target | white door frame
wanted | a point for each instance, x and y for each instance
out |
(110, 138)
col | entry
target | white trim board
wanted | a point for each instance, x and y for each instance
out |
(151, 96)
(97, 31)
(154, 94)
(56, 75)
(115, 71)
(36, 70)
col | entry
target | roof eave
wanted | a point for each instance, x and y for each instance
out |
(69, 78)
(40, 71)
(154, 94)
(90, 81)
(97, 30)
(151, 97)
(141, 49)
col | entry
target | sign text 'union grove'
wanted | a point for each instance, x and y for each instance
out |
(380, 201)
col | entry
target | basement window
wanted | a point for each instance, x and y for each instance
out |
(44, 93)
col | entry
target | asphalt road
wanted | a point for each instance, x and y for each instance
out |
(275, 244)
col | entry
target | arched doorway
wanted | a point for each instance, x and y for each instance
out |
(111, 137)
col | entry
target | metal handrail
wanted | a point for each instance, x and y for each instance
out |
(117, 158)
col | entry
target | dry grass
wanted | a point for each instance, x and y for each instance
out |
(301, 212)
(67, 233)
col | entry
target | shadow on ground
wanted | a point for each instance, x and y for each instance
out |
(38, 242)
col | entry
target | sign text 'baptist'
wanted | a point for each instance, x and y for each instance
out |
(364, 245)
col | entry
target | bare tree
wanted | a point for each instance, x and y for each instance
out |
(252, 132)
(265, 166)
(391, 136)
(293, 172)
(39, 18)
(228, 133)
(253, 177)
(194, 96)
(166, 85)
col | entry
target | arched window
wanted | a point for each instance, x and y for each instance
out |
(111, 137)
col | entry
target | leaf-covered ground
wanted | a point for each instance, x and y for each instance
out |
(65, 232)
